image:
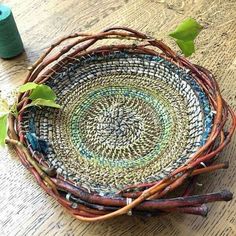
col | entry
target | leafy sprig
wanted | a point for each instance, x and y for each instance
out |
(185, 34)
(39, 94)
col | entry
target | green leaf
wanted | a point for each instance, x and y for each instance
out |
(26, 87)
(44, 102)
(187, 47)
(3, 128)
(42, 91)
(187, 30)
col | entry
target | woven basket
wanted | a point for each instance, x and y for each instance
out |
(137, 122)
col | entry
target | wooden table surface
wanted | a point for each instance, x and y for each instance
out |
(24, 208)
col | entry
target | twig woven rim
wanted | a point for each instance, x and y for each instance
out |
(135, 123)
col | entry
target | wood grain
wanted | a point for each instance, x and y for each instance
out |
(25, 209)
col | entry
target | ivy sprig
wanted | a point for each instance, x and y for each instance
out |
(39, 95)
(185, 34)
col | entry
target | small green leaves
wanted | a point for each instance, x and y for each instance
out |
(185, 34)
(26, 87)
(41, 95)
(3, 128)
(42, 91)
(44, 102)
(188, 30)
(187, 47)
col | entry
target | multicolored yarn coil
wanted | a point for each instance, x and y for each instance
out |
(135, 124)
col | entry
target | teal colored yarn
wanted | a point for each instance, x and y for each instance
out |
(127, 94)
(10, 41)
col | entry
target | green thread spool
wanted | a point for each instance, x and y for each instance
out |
(10, 41)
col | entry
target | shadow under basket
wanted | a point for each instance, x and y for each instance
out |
(137, 122)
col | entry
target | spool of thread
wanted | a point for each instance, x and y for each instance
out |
(10, 41)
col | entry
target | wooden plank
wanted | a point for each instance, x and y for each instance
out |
(25, 209)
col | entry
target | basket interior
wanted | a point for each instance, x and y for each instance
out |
(126, 119)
